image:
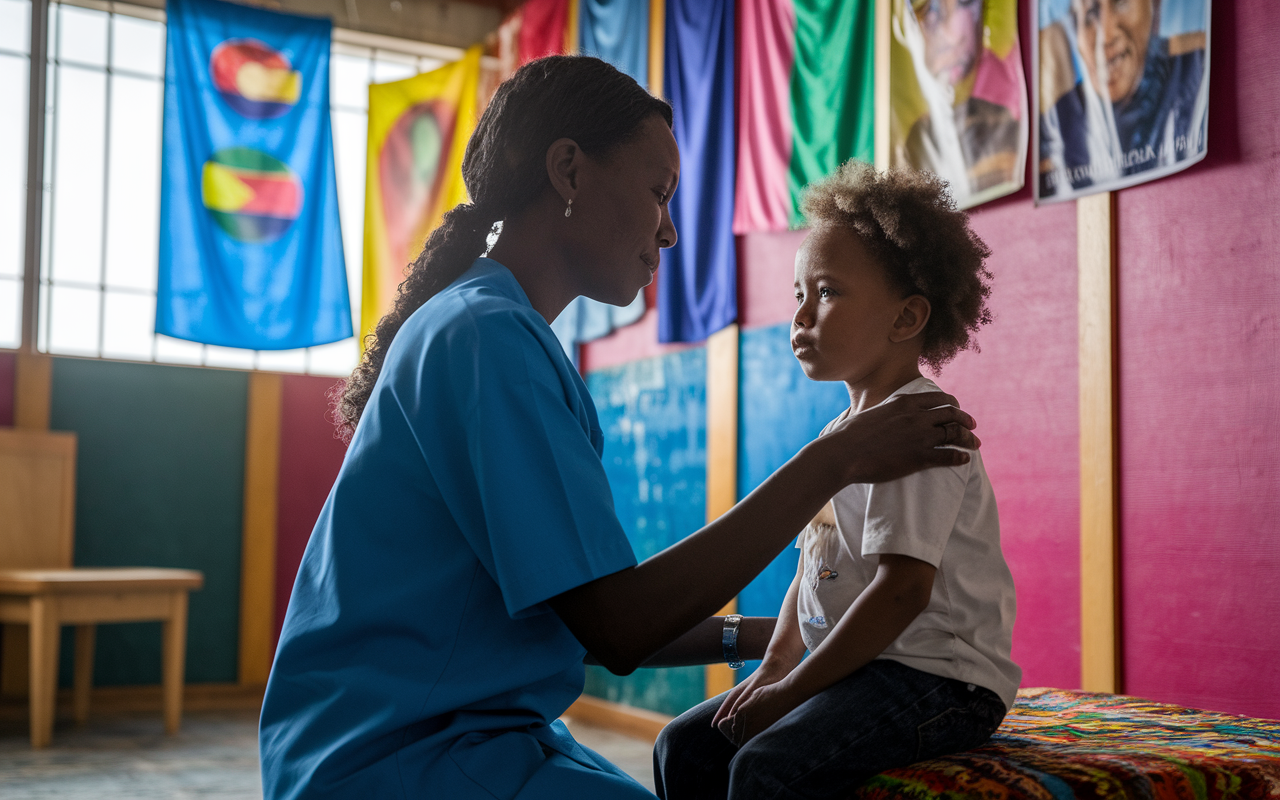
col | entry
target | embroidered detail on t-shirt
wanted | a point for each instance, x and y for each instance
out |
(818, 622)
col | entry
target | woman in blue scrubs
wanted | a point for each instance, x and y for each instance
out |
(468, 558)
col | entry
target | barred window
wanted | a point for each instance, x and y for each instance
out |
(14, 65)
(97, 295)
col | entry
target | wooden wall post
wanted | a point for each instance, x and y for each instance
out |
(33, 384)
(722, 456)
(258, 549)
(33, 391)
(883, 41)
(657, 45)
(34, 371)
(1100, 643)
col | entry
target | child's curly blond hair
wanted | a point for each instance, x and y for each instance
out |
(910, 224)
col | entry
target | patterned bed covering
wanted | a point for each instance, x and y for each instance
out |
(1056, 745)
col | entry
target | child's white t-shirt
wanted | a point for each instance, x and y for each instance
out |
(947, 517)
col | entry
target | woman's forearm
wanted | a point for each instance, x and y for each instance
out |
(704, 644)
(624, 618)
(669, 593)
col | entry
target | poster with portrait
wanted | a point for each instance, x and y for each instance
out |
(1122, 93)
(958, 99)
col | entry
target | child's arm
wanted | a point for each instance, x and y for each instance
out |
(785, 651)
(898, 594)
(786, 648)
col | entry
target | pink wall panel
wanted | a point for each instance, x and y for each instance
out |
(8, 369)
(1022, 388)
(631, 343)
(766, 277)
(310, 456)
(1200, 396)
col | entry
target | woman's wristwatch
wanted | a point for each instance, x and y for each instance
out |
(729, 641)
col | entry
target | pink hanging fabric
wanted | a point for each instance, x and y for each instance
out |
(766, 52)
(542, 29)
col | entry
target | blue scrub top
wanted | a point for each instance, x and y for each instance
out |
(418, 657)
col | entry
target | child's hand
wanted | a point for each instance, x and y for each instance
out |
(766, 675)
(756, 711)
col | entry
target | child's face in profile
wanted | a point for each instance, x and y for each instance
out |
(843, 328)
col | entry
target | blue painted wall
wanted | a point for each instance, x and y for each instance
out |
(654, 416)
(779, 411)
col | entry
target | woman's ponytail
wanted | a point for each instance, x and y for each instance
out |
(450, 250)
(574, 97)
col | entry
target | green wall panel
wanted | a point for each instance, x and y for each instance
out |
(159, 483)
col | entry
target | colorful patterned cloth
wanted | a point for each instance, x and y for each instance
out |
(1057, 745)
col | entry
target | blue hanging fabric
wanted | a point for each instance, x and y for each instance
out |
(618, 32)
(698, 281)
(250, 245)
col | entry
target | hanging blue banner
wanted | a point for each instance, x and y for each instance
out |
(618, 32)
(698, 281)
(250, 247)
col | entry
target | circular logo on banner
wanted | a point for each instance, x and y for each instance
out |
(252, 196)
(255, 80)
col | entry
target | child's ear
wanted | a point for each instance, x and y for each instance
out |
(912, 317)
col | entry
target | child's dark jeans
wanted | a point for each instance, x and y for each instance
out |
(884, 715)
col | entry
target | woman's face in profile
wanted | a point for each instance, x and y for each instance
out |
(620, 220)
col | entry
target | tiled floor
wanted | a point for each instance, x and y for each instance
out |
(215, 756)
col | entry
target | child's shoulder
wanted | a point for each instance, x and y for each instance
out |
(917, 386)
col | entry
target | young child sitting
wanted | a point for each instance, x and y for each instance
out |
(902, 597)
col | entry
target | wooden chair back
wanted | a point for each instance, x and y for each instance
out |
(37, 499)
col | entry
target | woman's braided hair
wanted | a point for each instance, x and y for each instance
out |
(573, 97)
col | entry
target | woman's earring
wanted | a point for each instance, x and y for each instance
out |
(568, 211)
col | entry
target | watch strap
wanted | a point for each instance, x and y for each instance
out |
(729, 641)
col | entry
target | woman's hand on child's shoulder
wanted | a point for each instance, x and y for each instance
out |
(904, 435)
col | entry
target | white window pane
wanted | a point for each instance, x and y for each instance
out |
(76, 248)
(73, 321)
(13, 161)
(82, 35)
(178, 351)
(350, 130)
(349, 81)
(283, 360)
(133, 208)
(228, 357)
(15, 25)
(128, 325)
(385, 69)
(10, 313)
(427, 64)
(336, 359)
(137, 45)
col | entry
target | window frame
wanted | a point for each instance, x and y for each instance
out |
(37, 280)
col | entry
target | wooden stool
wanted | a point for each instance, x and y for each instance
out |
(47, 599)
